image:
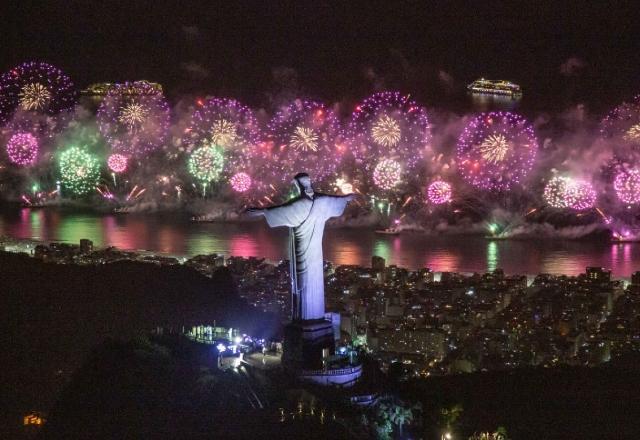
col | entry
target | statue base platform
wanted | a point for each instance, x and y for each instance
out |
(307, 346)
(307, 343)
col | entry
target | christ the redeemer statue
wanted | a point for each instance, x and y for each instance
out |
(305, 216)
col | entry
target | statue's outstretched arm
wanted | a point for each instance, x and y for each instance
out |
(288, 214)
(254, 212)
(335, 204)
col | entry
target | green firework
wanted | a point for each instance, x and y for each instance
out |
(79, 170)
(206, 163)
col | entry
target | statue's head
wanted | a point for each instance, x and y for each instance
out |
(304, 183)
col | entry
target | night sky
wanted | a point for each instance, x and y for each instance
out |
(561, 55)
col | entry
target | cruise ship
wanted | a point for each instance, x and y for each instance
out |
(495, 87)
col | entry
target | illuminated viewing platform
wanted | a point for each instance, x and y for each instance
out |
(495, 87)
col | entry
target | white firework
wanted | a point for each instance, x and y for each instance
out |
(633, 133)
(133, 115)
(304, 139)
(34, 96)
(386, 131)
(223, 133)
(494, 148)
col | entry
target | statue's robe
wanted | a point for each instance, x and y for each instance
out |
(306, 218)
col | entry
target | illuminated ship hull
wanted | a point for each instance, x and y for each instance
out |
(495, 87)
(628, 239)
(388, 231)
(625, 240)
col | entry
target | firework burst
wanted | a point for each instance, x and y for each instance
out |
(117, 163)
(494, 148)
(22, 149)
(79, 170)
(206, 164)
(439, 192)
(386, 131)
(496, 151)
(565, 192)
(627, 186)
(343, 185)
(303, 133)
(240, 182)
(35, 87)
(229, 125)
(304, 139)
(224, 133)
(555, 192)
(34, 96)
(623, 123)
(632, 134)
(581, 195)
(37, 98)
(389, 125)
(387, 174)
(134, 118)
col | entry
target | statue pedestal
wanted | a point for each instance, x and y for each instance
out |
(307, 343)
(309, 347)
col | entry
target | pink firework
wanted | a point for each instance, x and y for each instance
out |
(580, 195)
(387, 174)
(227, 124)
(36, 97)
(627, 186)
(22, 149)
(389, 124)
(623, 123)
(117, 163)
(496, 151)
(35, 87)
(439, 192)
(301, 134)
(240, 182)
(134, 118)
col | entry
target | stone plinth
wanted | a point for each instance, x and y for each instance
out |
(306, 344)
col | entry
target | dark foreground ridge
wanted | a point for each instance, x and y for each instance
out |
(79, 352)
(54, 314)
(161, 389)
